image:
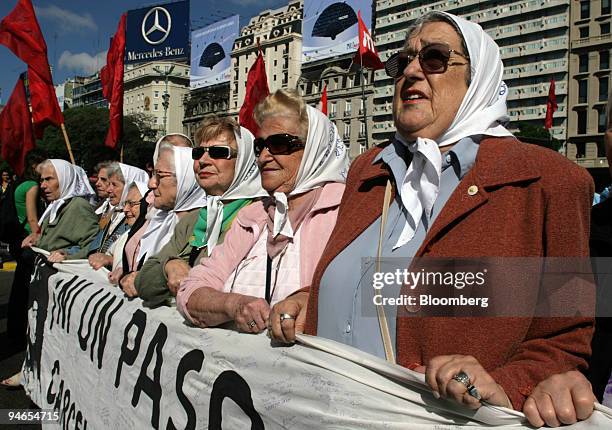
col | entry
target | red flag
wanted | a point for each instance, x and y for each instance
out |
(551, 105)
(111, 76)
(366, 55)
(324, 100)
(256, 90)
(16, 129)
(20, 32)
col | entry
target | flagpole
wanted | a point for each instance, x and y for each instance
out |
(68, 144)
(365, 105)
(121, 154)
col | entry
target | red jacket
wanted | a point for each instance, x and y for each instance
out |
(530, 202)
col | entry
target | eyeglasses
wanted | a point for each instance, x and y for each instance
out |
(160, 174)
(219, 152)
(277, 144)
(432, 58)
(131, 203)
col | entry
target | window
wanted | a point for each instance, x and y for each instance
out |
(347, 131)
(332, 109)
(582, 120)
(604, 60)
(156, 94)
(584, 32)
(605, 28)
(155, 107)
(582, 91)
(603, 88)
(361, 106)
(605, 7)
(601, 121)
(583, 63)
(362, 129)
(347, 108)
(585, 9)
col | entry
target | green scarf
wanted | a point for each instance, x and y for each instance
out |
(199, 238)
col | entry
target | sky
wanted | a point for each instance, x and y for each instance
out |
(78, 32)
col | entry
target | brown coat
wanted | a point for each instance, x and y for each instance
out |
(530, 202)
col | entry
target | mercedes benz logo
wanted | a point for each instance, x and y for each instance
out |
(156, 28)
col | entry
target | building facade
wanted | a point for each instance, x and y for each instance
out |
(349, 103)
(145, 87)
(533, 36)
(202, 102)
(589, 70)
(279, 34)
(89, 93)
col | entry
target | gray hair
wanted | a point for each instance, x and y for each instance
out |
(114, 169)
(437, 16)
(102, 165)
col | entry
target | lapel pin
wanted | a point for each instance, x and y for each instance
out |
(473, 190)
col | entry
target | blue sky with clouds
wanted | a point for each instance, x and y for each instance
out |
(78, 32)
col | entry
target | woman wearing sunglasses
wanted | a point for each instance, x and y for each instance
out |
(225, 169)
(459, 185)
(272, 248)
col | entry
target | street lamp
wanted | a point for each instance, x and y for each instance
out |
(165, 96)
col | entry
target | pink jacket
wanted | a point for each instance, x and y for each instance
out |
(249, 224)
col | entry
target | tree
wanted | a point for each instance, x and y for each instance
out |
(537, 135)
(87, 127)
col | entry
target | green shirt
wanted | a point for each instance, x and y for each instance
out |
(20, 202)
(76, 225)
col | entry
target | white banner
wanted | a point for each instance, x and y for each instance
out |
(105, 362)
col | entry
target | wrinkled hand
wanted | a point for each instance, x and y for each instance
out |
(561, 399)
(439, 374)
(56, 256)
(176, 271)
(99, 260)
(295, 306)
(115, 275)
(30, 240)
(127, 284)
(246, 309)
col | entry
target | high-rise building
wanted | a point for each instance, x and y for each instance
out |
(348, 103)
(279, 35)
(589, 71)
(89, 93)
(533, 36)
(149, 86)
(202, 102)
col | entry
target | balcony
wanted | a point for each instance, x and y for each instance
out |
(388, 4)
(588, 42)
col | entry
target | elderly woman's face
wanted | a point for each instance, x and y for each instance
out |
(163, 182)
(115, 190)
(279, 172)
(131, 207)
(425, 104)
(215, 175)
(49, 184)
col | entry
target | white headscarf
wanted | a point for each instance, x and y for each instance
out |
(161, 139)
(325, 159)
(142, 187)
(130, 174)
(73, 182)
(189, 196)
(245, 185)
(482, 112)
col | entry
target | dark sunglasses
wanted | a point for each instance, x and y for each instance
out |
(277, 144)
(432, 58)
(215, 152)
